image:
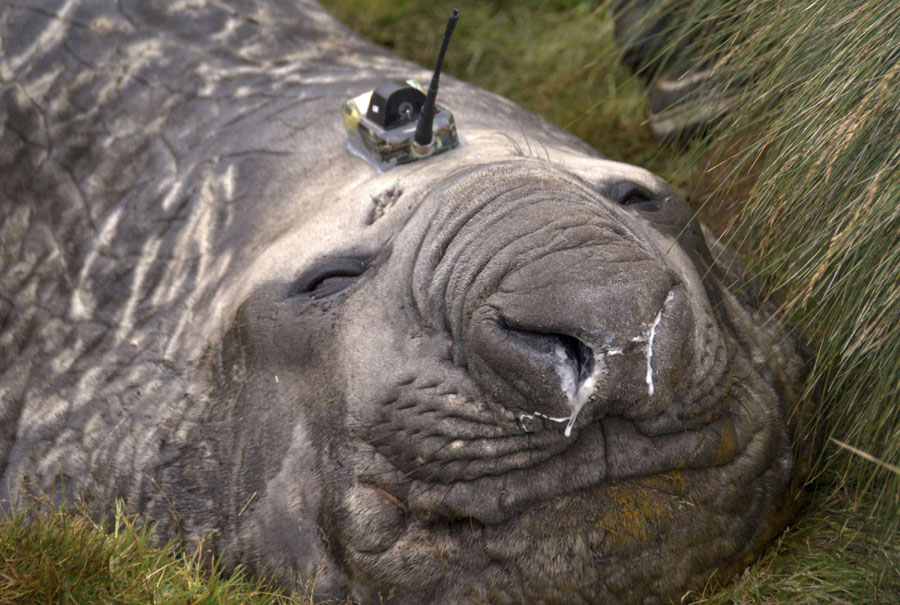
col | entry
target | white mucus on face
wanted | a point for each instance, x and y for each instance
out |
(585, 390)
(539, 415)
(568, 373)
(577, 392)
(650, 338)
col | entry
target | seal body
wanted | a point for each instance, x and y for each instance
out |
(509, 373)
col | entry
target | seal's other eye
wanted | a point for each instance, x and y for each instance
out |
(328, 277)
(633, 195)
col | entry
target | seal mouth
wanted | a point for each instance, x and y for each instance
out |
(611, 449)
(493, 469)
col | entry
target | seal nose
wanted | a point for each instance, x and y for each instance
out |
(575, 328)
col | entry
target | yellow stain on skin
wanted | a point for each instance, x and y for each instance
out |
(671, 483)
(633, 510)
(676, 479)
(727, 449)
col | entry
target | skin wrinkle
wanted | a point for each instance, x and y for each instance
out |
(471, 212)
(513, 446)
(463, 309)
(475, 236)
(549, 476)
(489, 260)
(449, 438)
(497, 215)
(458, 291)
(488, 422)
(527, 438)
(626, 264)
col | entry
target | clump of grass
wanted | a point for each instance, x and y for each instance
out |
(53, 555)
(827, 555)
(818, 131)
(807, 165)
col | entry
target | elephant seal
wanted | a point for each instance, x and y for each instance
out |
(509, 373)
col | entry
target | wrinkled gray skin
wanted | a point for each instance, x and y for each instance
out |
(181, 221)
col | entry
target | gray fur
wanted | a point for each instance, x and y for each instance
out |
(172, 175)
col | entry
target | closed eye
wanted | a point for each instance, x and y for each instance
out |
(328, 277)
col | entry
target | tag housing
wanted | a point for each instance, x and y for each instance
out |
(385, 120)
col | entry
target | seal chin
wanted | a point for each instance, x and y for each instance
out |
(608, 495)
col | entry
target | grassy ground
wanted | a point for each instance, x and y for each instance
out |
(826, 556)
(803, 179)
(49, 556)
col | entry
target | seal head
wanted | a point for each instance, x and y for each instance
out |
(539, 379)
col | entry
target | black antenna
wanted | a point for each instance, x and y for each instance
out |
(426, 118)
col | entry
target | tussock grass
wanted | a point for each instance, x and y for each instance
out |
(817, 130)
(802, 177)
(827, 555)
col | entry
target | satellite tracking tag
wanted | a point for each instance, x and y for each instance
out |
(398, 122)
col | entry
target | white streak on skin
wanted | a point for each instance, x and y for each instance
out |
(38, 87)
(198, 235)
(172, 196)
(82, 304)
(531, 416)
(149, 254)
(650, 338)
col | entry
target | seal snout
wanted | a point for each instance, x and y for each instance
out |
(568, 346)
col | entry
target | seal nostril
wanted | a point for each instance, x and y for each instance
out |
(568, 350)
(579, 355)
